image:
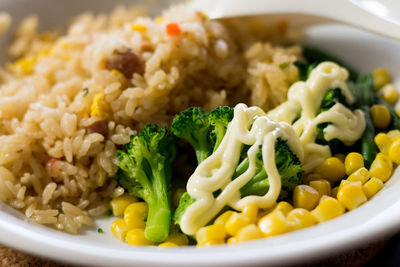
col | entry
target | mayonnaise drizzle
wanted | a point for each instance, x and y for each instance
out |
(306, 97)
(250, 126)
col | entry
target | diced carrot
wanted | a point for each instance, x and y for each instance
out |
(173, 29)
(283, 27)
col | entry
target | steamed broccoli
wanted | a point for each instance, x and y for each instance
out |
(331, 98)
(145, 172)
(219, 119)
(203, 131)
(288, 164)
(289, 167)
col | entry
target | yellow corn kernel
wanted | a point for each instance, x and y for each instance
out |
(301, 218)
(98, 107)
(135, 215)
(211, 243)
(383, 142)
(353, 162)
(380, 116)
(393, 134)
(274, 223)
(384, 156)
(262, 213)
(394, 151)
(177, 238)
(322, 186)
(136, 237)
(235, 222)
(346, 182)
(351, 196)
(249, 232)
(211, 232)
(340, 156)
(27, 65)
(119, 204)
(120, 76)
(119, 229)
(381, 78)
(168, 244)
(159, 20)
(332, 169)
(251, 211)
(138, 27)
(381, 167)
(389, 93)
(223, 218)
(312, 177)
(305, 197)
(398, 112)
(334, 191)
(361, 175)
(324, 197)
(231, 240)
(176, 196)
(327, 209)
(284, 207)
(373, 186)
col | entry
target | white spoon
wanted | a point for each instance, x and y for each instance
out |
(381, 17)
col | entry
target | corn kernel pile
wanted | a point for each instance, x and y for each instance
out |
(341, 183)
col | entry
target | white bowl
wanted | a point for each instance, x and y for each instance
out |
(376, 219)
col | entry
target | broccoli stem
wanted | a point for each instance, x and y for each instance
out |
(159, 216)
(368, 147)
(202, 154)
(158, 219)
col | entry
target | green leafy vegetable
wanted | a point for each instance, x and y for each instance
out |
(316, 56)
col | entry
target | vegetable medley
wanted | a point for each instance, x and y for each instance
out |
(160, 207)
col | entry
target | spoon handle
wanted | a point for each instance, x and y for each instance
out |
(327, 11)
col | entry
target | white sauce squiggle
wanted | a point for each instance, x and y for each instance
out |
(306, 97)
(250, 126)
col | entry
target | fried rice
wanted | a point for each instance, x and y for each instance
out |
(66, 104)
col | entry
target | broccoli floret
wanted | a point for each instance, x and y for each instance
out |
(219, 119)
(185, 201)
(145, 172)
(203, 131)
(304, 69)
(193, 125)
(289, 167)
(331, 98)
(315, 56)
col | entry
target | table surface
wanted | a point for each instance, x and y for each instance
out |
(384, 253)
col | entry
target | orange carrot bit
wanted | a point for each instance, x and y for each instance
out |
(173, 29)
(86, 115)
(283, 27)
